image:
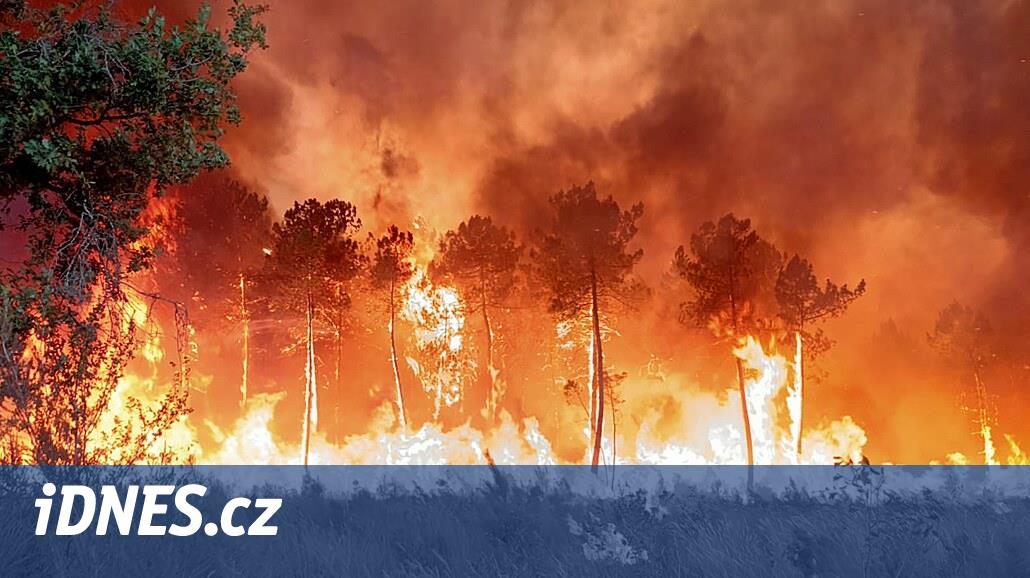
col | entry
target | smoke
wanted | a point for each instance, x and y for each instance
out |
(882, 140)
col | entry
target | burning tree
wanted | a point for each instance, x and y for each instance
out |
(802, 303)
(392, 268)
(483, 258)
(314, 255)
(731, 270)
(99, 117)
(223, 227)
(586, 263)
(964, 337)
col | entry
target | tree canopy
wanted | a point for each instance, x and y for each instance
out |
(732, 271)
(803, 302)
(391, 264)
(588, 246)
(964, 335)
(222, 228)
(313, 251)
(97, 117)
(483, 258)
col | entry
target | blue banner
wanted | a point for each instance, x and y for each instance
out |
(514, 521)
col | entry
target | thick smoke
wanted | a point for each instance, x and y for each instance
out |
(883, 140)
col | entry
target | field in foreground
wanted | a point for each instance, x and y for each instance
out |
(506, 527)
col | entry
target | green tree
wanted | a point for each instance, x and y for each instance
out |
(586, 263)
(482, 258)
(97, 117)
(391, 269)
(314, 255)
(802, 303)
(732, 271)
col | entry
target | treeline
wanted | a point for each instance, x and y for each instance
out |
(316, 264)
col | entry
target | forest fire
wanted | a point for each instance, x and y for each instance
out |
(429, 326)
(440, 366)
(694, 287)
(251, 438)
(721, 265)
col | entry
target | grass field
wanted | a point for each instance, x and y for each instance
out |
(507, 527)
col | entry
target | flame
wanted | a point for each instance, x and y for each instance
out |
(989, 451)
(774, 432)
(251, 441)
(761, 390)
(144, 385)
(1017, 457)
(439, 321)
(709, 435)
(795, 399)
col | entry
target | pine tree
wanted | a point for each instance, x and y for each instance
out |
(731, 270)
(391, 270)
(965, 338)
(586, 263)
(482, 258)
(314, 255)
(802, 303)
(222, 229)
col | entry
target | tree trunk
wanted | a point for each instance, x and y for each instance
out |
(311, 393)
(598, 372)
(747, 426)
(743, 396)
(80, 407)
(611, 398)
(245, 317)
(592, 386)
(800, 379)
(491, 402)
(393, 360)
(983, 418)
(338, 361)
(335, 422)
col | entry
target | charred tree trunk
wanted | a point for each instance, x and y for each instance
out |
(393, 360)
(598, 372)
(592, 385)
(743, 398)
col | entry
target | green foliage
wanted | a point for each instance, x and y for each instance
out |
(96, 118)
